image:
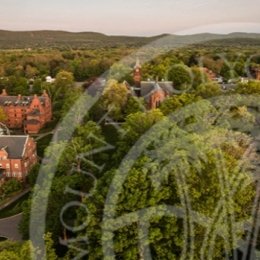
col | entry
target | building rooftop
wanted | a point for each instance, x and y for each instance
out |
(19, 101)
(148, 87)
(13, 145)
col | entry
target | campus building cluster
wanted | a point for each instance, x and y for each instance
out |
(29, 113)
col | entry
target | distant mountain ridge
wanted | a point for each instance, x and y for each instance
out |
(64, 39)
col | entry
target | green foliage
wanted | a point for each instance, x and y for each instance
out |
(253, 87)
(121, 73)
(25, 222)
(64, 80)
(17, 85)
(181, 76)
(182, 155)
(72, 169)
(50, 252)
(228, 73)
(135, 126)
(14, 208)
(115, 97)
(3, 116)
(33, 174)
(134, 105)
(176, 102)
(25, 251)
(11, 186)
(208, 90)
(178, 167)
(15, 251)
(199, 77)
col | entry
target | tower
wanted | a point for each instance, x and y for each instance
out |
(137, 77)
(137, 73)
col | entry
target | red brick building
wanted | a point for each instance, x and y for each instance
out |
(17, 156)
(29, 113)
(154, 92)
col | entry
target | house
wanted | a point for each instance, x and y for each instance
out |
(17, 156)
(153, 92)
(29, 113)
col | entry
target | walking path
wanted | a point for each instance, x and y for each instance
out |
(9, 227)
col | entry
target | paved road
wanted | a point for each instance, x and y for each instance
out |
(9, 227)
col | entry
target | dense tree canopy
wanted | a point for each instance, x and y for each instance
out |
(193, 156)
(178, 171)
(115, 97)
(253, 87)
(181, 76)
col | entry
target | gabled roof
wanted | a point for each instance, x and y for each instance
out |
(148, 87)
(13, 145)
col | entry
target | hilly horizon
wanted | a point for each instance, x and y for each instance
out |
(74, 40)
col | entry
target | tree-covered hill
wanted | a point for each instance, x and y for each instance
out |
(63, 39)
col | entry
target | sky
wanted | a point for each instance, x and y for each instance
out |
(132, 17)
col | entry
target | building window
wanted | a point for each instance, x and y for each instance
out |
(8, 166)
(25, 164)
(16, 166)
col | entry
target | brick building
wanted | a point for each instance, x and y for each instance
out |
(29, 113)
(17, 156)
(154, 92)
